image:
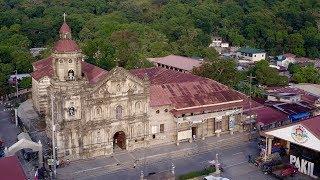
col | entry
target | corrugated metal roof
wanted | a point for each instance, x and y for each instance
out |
(180, 62)
(11, 168)
(186, 90)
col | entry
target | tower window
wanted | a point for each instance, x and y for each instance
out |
(72, 111)
(71, 74)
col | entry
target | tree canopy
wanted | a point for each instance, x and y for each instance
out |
(131, 31)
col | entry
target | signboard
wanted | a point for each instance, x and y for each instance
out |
(303, 166)
(299, 134)
(184, 134)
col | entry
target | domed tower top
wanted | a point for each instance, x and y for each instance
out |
(65, 31)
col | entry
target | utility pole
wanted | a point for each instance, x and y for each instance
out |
(53, 139)
(250, 99)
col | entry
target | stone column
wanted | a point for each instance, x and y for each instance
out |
(269, 145)
(177, 134)
(190, 140)
(203, 136)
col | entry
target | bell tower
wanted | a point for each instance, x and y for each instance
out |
(67, 56)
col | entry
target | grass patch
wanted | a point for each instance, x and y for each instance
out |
(194, 174)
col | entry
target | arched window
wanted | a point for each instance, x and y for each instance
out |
(98, 111)
(119, 112)
(72, 111)
(118, 87)
(138, 107)
(98, 137)
(71, 74)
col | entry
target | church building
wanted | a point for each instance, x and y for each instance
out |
(94, 112)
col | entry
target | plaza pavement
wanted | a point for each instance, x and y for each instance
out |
(126, 159)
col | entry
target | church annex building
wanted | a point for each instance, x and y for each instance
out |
(94, 112)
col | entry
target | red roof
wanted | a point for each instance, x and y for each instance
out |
(93, 73)
(65, 28)
(180, 62)
(42, 63)
(44, 68)
(11, 168)
(66, 45)
(305, 96)
(183, 90)
(289, 55)
(313, 125)
(40, 73)
(267, 115)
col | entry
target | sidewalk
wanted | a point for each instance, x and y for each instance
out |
(126, 159)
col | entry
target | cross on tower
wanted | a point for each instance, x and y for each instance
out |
(64, 17)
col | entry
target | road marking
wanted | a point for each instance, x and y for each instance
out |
(116, 159)
(237, 153)
(134, 158)
(242, 162)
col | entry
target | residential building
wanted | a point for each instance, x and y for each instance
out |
(285, 59)
(177, 63)
(36, 51)
(94, 112)
(218, 44)
(251, 54)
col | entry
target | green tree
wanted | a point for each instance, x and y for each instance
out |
(268, 76)
(25, 83)
(223, 71)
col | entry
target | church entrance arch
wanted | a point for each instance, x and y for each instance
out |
(119, 140)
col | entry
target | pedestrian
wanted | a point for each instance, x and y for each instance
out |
(134, 164)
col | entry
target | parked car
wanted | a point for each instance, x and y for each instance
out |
(285, 171)
(289, 170)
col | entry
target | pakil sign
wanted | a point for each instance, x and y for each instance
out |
(304, 166)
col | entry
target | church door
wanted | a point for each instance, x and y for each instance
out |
(119, 140)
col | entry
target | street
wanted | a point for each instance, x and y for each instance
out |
(233, 160)
(9, 132)
(232, 157)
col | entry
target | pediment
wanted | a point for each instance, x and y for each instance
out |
(119, 81)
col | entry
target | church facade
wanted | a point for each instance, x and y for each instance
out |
(91, 112)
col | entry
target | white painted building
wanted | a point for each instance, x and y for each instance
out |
(218, 42)
(251, 54)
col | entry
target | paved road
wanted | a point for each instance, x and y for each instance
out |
(233, 160)
(8, 130)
